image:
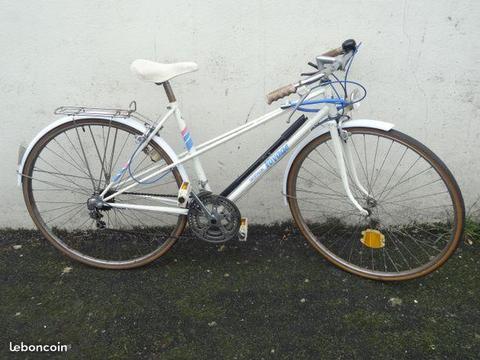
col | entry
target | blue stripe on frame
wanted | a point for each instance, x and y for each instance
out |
(189, 143)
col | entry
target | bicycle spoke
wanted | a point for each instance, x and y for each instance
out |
(393, 173)
(60, 186)
(404, 181)
(383, 163)
(374, 160)
(85, 158)
(78, 207)
(105, 145)
(56, 170)
(403, 175)
(60, 174)
(419, 196)
(76, 166)
(361, 165)
(113, 151)
(99, 157)
(82, 160)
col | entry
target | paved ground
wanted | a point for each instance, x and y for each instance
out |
(272, 297)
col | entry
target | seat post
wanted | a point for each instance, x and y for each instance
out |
(169, 91)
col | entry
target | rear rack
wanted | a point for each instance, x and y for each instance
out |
(81, 110)
(86, 111)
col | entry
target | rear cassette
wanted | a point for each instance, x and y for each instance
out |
(220, 224)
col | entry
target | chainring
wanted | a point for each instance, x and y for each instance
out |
(224, 223)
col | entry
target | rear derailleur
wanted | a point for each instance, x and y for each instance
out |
(95, 204)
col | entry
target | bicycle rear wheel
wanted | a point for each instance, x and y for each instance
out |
(415, 205)
(75, 161)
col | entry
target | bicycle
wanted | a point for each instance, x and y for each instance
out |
(372, 200)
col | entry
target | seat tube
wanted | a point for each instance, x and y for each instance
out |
(182, 126)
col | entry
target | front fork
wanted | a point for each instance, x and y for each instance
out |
(343, 151)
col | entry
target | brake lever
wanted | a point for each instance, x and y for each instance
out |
(309, 74)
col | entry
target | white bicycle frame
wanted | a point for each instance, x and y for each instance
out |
(341, 148)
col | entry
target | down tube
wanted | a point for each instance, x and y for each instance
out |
(269, 159)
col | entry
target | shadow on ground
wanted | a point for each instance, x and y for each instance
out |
(271, 297)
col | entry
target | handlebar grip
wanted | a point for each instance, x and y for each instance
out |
(280, 93)
(333, 52)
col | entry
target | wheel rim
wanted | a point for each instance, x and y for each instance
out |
(73, 163)
(419, 222)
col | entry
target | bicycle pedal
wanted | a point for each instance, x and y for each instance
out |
(243, 230)
(184, 194)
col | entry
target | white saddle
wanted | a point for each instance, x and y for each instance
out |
(158, 73)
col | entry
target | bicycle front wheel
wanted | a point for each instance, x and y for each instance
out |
(416, 210)
(73, 163)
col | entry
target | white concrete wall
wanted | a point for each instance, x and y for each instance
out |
(419, 61)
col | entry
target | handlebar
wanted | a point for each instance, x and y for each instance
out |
(347, 46)
(334, 52)
(281, 93)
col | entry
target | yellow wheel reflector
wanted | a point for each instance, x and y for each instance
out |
(373, 239)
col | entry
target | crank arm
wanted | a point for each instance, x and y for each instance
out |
(204, 208)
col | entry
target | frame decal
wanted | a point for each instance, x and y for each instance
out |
(187, 139)
(282, 139)
(271, 161)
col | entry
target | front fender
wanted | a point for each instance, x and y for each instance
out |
(122, 120)
(320, 130)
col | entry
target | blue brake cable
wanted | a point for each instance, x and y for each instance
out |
(341, 103)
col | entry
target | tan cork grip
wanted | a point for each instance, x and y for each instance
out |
(334, 52)
(280, 93)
